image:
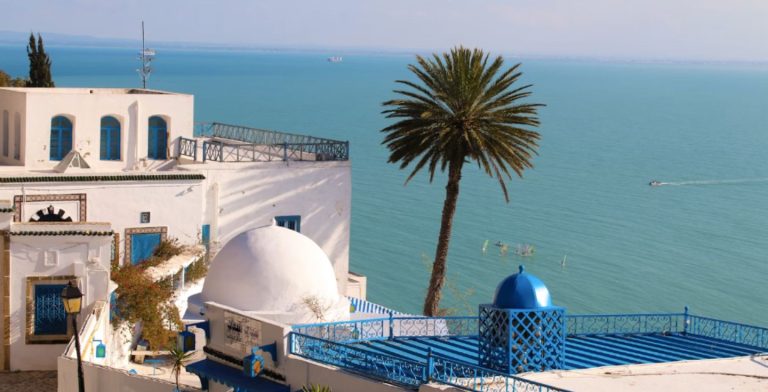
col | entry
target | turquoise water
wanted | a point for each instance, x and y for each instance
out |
(607, 130)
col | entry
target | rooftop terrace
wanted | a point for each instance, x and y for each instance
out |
(412, 350)
(232, 143)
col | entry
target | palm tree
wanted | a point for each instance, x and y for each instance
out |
(465, 109)
(178, 357)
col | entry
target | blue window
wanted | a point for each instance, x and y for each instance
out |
(206, 234)
(110, 139)
(50, 317)
(143, 245)
(61, 137)
(158, 138)
(292, 222)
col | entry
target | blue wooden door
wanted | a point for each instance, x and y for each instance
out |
(50, 317)
(143, 245)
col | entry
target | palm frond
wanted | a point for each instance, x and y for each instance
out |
(463, 106)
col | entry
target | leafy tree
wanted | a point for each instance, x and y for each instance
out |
(466, 108)
(39, 63)
(7, 81)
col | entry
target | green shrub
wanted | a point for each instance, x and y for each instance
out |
(197, 270)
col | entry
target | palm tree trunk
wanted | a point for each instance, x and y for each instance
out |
(437, 280)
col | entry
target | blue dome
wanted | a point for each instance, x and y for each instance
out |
(522, 291)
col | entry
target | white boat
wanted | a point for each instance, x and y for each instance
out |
(655, 183)
(335, 59)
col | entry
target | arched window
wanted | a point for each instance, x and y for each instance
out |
(61, 137)
(16, 136)
(110, 139)
(158, 138)
(6, 132)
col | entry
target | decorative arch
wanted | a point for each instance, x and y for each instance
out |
(51, 214)
(61, 137)
(110, 139)
(157, 143)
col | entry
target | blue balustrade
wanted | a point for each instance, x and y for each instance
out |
(748, 335)
(373, 365)
(623, 324)
(474, 378)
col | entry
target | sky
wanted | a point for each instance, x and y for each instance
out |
(721, 30)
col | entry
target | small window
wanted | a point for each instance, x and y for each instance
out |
(110, 139)
(50, 317)
(61, 138)
(157, 143)
(292, 222)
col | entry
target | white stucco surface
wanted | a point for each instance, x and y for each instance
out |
(273, 269)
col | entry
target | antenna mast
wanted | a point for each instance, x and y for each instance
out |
(145, 56)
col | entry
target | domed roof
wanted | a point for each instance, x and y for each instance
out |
(273, 269)
(522, 291)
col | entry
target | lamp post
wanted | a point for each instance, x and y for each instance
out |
(72, 299)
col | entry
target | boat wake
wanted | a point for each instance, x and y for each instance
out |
(709, 182)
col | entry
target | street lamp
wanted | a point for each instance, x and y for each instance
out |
(72, 299)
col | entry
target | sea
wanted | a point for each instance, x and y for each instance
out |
(605, 241)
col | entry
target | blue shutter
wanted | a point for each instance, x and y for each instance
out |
(61, 138)
(103, 150)
(143, 245)
(114, 144)
(110, 139)
(158, 138)
(50, 317)
(206, 234)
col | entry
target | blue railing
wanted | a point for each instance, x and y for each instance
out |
(390, 328)
(749, 335)
(234, 143)
(618, 324)
(474, 378)
(373, 365)
(188, 148)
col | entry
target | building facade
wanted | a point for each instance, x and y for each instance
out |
(90, 178)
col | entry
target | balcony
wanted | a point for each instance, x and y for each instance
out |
(231, 143)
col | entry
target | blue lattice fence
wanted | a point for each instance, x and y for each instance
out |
(521, 340)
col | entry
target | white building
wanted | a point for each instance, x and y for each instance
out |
(91, 177)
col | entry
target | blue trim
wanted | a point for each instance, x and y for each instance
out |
(61, 138)
(110, 139)
(292, 222)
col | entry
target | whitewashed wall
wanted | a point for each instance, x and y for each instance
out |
(85, 108)
(28, 260)
(15, 104)
(174, 204)
(242, 196)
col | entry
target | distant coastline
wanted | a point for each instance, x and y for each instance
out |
(14, 38)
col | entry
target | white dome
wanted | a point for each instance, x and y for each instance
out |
(272, 269)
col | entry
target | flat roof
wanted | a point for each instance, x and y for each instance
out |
(732, 374)
(89, 91)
